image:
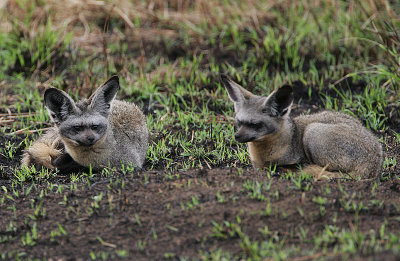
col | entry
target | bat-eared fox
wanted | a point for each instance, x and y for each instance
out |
(97, 132)
(326, 143)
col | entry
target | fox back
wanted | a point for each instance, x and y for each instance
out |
(327, 142)
(99, 131)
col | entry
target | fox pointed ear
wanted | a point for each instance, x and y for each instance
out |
(59, 104)
(102, 98)
(236, 93)
(280, 101)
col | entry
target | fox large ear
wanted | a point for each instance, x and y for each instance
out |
(280, 101)
(58, 104)
(102, 98)
(236, 93)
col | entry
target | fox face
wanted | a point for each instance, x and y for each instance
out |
(86, 122)
(258, 116)
(85, 129)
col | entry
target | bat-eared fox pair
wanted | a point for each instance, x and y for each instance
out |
(101, 131)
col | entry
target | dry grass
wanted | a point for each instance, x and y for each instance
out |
(151, 20)
(147, 25)
(157, 19)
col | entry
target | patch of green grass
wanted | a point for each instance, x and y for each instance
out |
(256, 189)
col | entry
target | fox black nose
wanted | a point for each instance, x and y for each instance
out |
(240, 138)
(90, 139)
(243, 138)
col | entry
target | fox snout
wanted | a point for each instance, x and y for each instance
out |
(88, 138)
(243, 136)
(89, 141)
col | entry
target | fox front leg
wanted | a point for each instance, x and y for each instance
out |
(66, 164)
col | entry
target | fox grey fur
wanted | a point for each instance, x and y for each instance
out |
(327, 142)
(97, 132)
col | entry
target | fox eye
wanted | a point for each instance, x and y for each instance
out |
(255, 126)
(94, 127)
(77, 128)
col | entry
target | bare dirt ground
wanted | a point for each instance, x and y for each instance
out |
(151, 211)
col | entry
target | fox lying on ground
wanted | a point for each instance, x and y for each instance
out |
(327, 142)
(96, 132)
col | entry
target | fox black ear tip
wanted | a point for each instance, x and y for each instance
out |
(50, 91)
(114, 78)
(224, 78)
(287, 87)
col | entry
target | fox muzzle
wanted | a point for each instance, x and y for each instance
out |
(242, 136)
